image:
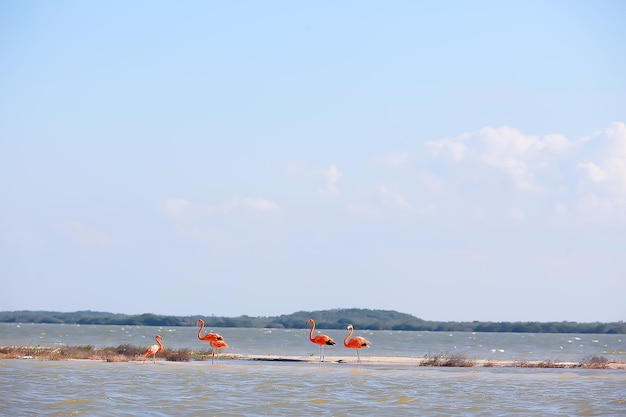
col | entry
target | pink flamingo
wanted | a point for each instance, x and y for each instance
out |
(215, 340)
(357, 342)
(154, 349)
(209, 336)
(321, 339)
(217, 345)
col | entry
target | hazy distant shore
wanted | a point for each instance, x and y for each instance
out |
(366, 319)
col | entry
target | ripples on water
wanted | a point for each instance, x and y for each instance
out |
(240, 388)
(493, 346)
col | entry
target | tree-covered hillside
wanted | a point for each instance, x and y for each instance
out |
(326, 319)
(360, 318)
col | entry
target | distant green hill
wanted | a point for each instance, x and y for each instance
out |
(326, 319)
(360, 318)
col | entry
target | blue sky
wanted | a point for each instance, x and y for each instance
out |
(451, 160)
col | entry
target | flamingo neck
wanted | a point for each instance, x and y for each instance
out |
(200, 329)
(158, 340)
(345, 341)
(311, 332)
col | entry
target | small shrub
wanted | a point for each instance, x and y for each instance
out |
(202, 355)
(11, 352)
(455, 360)
(432, 360)
(180, 355)
(595, 362)
(129, 351)
(458, 361)
(548, 363)
(65, 352)
(521, 364)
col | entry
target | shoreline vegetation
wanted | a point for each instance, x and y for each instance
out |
(328, 319)
(128, 353)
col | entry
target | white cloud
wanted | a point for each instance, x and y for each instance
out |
(331, 177)
(590, 137)
(175, 206)
(309, 173)
(557, 143)
(617, 132)
(260, 204)
(508, 149)
(393, 198)
(517, 169)
(456, 148)
(594, 172)
(509, 141)
(607, 173)
(431, 181)
(594, 205)
(616, 163)
(588, 176)
(521, 156)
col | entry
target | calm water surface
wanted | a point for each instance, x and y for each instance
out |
(241, 388)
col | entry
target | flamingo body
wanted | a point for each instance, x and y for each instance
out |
(154, 349)
(357, 342)
(208, 337)
(215, 340)
(323, 340)
(320, 339)
(217, 345)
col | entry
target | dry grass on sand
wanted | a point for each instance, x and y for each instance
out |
(127, 353)
(122, 353)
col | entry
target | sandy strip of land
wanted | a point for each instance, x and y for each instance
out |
(415, 361)
(48, 353)
(370, 360)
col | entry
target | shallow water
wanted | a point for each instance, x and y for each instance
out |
(491, 346)
(242, 388)
(248, 388)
